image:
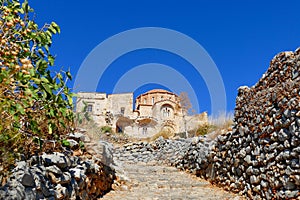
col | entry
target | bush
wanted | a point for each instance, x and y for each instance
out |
(204, 129)
(106, 129)
(34, 102)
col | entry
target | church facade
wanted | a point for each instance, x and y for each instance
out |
(154, 111)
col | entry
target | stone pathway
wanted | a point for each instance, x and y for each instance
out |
(148, 181)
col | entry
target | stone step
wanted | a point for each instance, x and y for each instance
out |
(161, 182)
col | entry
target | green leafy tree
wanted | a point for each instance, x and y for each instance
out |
(35, 103)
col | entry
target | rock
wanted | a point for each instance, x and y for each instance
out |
(77, 173)
(73, 143)
(289, 185)
(77, 136)
(61, 192)
(52, 179)
(54, 169)
(283, 135)
(27, 180)
(291, 194)
(58, 159)
(248, 159)
(254, 179)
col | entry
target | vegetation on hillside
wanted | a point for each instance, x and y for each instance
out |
(216, 125)
(35, 103)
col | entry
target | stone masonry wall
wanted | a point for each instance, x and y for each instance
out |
(260, 157)
(62, 176)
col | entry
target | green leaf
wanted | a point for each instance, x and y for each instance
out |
(47, 88)
(21, 11)
(52, 29)
(25, 6)
(41, 52)
(63, 111)
(34, 126)
(47, 50)
(70, 100)
(20, 109)
(32, 72)
(48, 33)
(65, 143)
(44, 80)
(69, 75)
(28, 92)
(36, 80)
(16, 117)
(52, 112)
(56, 27)
(81, 145)
(51, 60)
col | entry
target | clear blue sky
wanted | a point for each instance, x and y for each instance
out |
(240, 36)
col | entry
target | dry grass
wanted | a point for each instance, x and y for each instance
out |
(223, 121)
(220, 124)
(214, 127)
(164, 133)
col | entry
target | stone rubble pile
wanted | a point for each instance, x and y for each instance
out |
(58, 176)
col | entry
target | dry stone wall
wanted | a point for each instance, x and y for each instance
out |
(187, 154)
(260, 157)
(62, 176)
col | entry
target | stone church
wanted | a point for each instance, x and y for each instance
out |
(154, 111)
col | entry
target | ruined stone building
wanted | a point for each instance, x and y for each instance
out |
(154, 111)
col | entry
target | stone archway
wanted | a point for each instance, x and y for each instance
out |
(169, 127)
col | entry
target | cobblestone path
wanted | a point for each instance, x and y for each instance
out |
(161, 182)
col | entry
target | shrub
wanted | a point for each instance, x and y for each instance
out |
(83, 117)
(204, 129)
(34, 102)
(106, 129)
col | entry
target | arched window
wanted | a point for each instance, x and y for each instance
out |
(122, 110)
(166, 111)
(144, 130)
(89, 108)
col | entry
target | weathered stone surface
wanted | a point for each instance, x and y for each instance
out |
(58, 159)
(267, 121)
(27, 180)
(151, 181)
(53, 178)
